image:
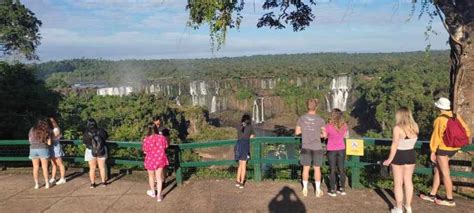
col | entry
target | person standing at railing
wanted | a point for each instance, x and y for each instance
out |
(96, 150)
(56, 153)
(402, 157)
(162, 130)
(245, 132)
(154, 147)
(336, 131)
(311, 127)
(442, 150)
(40, 140)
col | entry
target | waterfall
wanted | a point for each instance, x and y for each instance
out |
(114, 91)
(258, 115)
(193, 93)
(214, 104)
(339, 94)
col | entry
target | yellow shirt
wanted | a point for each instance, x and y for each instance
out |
(439, 127)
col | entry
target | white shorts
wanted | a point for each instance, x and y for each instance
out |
(88, 156)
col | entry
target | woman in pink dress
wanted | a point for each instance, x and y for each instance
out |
(154, 147)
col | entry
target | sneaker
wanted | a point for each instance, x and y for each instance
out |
(445, 202)
(151, 193)
(46, 186)
(104, 184)
(319, 193)
(237, 184)
(37, 186)
(396, 210)
(428, 197)
(51, 181)
(160, 198)
(92, 185)
(61, 181)
(305, 192)
(408, 209)
(241, 186)
(332, 193)
(341, 191)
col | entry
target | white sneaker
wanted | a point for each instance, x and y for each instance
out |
(396, 210)
(151, 193)
(408, 209)
(37, 186)
(61, 181)
(51, 181)
(319, 193)
(46, 186)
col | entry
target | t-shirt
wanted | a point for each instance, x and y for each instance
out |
(311, 131)
(335, 137)
(248, 130)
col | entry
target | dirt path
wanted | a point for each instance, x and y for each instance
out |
(125, 195)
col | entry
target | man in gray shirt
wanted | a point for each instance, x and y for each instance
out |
(311, 126)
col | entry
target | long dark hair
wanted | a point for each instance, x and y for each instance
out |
(41, 131)
(151, 129)
(91, 125)
(245, 121)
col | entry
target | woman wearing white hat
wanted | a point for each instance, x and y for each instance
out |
(440, 154)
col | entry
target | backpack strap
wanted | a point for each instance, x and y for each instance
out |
(443, 115)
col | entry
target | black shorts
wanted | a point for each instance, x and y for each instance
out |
(450, 154)
(404, 157)
(311, 157)
(242, 149)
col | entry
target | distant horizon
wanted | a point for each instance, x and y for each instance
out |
(241, 56)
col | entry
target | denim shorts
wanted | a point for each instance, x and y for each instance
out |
(55, 150)
(88, 156)
(39, 153)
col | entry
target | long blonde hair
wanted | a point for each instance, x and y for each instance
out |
(404, 119)
(336, 119)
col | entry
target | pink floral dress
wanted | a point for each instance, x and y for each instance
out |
(154, 148)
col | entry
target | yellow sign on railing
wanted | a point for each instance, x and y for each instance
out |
(355, 147)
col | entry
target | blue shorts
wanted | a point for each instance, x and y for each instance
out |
(39, 153)
(55, 150)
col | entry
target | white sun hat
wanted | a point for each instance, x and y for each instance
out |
(443, 103)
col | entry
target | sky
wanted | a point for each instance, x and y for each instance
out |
(156, 29)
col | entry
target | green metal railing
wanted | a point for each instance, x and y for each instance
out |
(258, 159)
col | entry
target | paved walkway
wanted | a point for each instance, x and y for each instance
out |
(126, 195)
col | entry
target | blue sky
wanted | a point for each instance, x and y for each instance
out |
(156, 29)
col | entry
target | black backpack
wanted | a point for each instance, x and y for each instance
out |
(97, 144)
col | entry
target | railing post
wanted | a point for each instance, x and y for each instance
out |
(257, 164)
(179, 172)
(355, 172)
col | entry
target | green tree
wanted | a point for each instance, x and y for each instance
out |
(19, 29)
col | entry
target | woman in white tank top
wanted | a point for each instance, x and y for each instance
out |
(402, 158)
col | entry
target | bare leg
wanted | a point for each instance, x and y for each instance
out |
(92, 167)
(151, 179)
(238, 173)
(408, 183)
(317, 173)
(44, 166)
(101, 163)
(443, 162)
(436, 180)
(159, 184)
(53, 168)
(243, 164)
(62, 169)
(305, 173)
(398, 184)
(36, 163)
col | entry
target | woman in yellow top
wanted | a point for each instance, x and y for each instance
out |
(440, 154)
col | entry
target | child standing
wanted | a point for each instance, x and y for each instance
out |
(154, 148)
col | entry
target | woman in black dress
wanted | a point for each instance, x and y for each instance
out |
(242, 149)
